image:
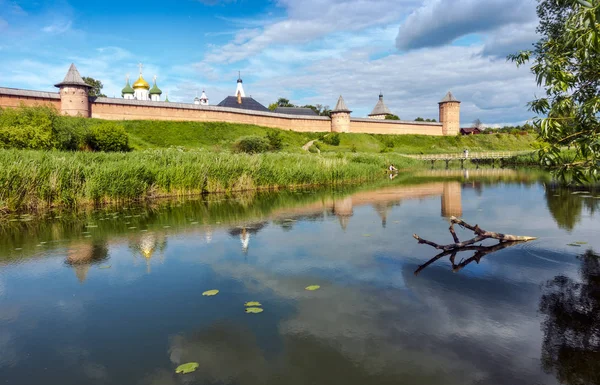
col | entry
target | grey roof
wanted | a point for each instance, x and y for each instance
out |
(29, 93)
(380, 108)
(449, 98)
(248, 103)
(295, 111)
(341, 106)
(73, 78)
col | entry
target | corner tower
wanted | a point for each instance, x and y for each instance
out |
(340, 117)
(74, 99)
(450, 115)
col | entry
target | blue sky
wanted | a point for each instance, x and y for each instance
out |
(309, 51)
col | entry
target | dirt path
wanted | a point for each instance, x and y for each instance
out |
(307, 145)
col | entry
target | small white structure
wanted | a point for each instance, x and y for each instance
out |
(239, 91)
(204, 99)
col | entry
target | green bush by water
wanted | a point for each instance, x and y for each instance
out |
(43, 128)
(39, 179)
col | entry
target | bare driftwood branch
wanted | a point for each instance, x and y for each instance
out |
(480, 252)
(504, 240)
(480, 236)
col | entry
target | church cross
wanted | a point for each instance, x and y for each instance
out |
(141, 66)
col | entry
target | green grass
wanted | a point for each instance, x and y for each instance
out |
(146, 134)
(42, 179)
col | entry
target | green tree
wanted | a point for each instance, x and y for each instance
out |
(565, 62)
(96, 85)
(419, 119)
(392, 117)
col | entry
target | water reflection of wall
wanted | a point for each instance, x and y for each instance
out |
(382, 201)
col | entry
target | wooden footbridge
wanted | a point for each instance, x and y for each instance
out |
(474, 157)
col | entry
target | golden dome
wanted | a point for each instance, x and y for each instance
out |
(141, 83)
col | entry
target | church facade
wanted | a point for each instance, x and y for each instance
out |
(139, 101)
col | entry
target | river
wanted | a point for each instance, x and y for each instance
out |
(115, 295)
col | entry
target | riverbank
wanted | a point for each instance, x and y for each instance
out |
(31, 180)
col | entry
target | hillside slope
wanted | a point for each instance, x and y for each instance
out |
(221, 136)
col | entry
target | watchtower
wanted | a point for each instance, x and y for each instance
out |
(340, 117)
(74, 99)
(450, 115)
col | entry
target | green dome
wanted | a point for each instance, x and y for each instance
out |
(155, 90)
(127, 89)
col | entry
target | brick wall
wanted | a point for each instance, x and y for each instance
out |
(121, 109)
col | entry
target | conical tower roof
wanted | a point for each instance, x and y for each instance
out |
(73, 78)
(341, 106)
(449, 98)
(380, 108)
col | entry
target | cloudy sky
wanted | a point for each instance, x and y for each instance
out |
(309, 51)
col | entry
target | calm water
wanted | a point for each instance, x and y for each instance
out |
(115, 296)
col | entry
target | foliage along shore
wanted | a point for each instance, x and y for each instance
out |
(31, 180)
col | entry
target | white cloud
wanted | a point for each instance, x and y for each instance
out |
(440, 22)
(3, 24)
(58, 27)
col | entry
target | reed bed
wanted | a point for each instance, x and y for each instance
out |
(32, 180)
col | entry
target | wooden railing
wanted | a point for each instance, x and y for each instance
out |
(470, 155)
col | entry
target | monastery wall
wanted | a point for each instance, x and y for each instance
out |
(394, 127)
(11, 97)
(122, 109)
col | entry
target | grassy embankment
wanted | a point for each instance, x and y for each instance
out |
(42, 179)
(221, 136)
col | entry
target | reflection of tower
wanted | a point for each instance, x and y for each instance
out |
(383, 209)
(343, 209)
(208, 236)
(245, 239)
(82, 256)
(452, 200)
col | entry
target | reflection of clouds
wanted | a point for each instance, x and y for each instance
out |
(76, 356)
(8, 351)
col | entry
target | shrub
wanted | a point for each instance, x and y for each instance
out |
(28, 127)
(314, 149)
(275, 140)
(108, 137)
(332, 139)
(251, 145)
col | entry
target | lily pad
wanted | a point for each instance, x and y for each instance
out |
(210, 293)
(366, 235)
(106, 267)
(252, 304)
(313, 287)
(580, 243)
(254, 310)
(187, 368)
(573, 245)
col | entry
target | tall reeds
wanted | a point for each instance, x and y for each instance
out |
(41, 179)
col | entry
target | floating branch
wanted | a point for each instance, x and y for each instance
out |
(505, 240)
